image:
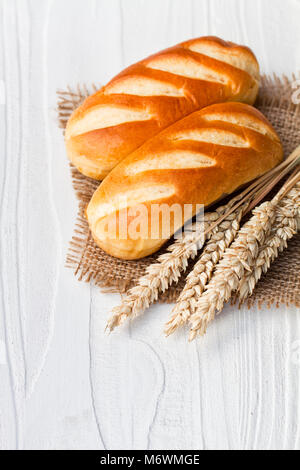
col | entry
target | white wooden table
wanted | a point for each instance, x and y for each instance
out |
(63, 383)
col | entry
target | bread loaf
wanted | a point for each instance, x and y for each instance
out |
(154, 93)
(197, 160)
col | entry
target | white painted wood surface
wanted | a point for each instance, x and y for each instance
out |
(64, 384)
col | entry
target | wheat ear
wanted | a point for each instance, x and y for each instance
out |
(286, 225)
(221, 238)
(237, 259)
(166, 270)
(170, 265)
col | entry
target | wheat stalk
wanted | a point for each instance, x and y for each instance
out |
(252, 251)
(169, 266)
(286, 225)
(221, 238)
(166, 270)
(237, 260)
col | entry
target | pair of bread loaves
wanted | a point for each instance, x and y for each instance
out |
(152, 94)
(154, 130)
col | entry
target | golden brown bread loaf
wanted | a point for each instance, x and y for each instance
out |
(197, 160)
(154, 93)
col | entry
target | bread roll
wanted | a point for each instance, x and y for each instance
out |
(154, 93)
(197, 160)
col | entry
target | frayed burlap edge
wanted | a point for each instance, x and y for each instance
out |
(281, 285)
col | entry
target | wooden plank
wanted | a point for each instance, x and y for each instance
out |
(64, 384)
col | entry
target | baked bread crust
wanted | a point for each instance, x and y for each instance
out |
(197, 160)
(154, 93)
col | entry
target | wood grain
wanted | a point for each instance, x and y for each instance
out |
(64, 384)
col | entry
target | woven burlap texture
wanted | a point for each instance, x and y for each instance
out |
(281, 285)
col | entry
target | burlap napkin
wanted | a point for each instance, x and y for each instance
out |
(282, 282)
